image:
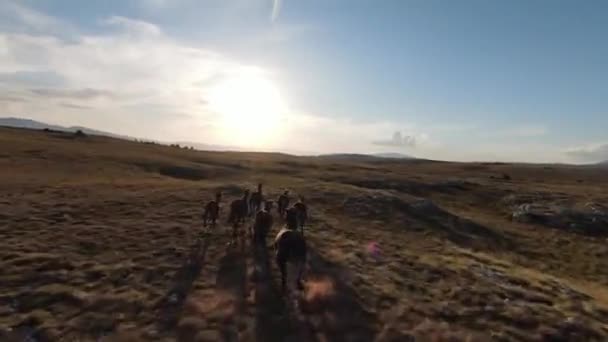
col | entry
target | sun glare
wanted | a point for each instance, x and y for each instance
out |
(250, 108)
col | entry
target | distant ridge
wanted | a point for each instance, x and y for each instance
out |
(32, 124)
(38, 125)
(393, 155)
(359, 156)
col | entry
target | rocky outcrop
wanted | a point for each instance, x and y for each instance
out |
(589, 218)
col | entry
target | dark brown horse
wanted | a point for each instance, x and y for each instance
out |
(212, 210)
(283, 203)
(255, 202)
(239, 209)
(301, 213)
(290, 247)
(262, 225)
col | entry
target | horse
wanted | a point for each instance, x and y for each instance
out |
(283, 203)
(239, 209)
(290, 246)
(212, 210)
(255, 202)
(262, 225)
(301, 213)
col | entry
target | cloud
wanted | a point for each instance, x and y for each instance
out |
(133, 25)
(73, 106)
(398, 140)
(276, 9)
(31, 78)
(590, 153)
(8, 98)
(16, 17)
(130, 74)
(81, 94)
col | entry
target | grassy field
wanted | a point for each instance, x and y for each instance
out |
(101, 239)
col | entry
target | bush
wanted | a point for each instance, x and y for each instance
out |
(80, 134)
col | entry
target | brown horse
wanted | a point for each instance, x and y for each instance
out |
(239, 209)
(212, 210)
(283, 203)
(301, 213)
(255, 202)
(290, 247)
(262, 225)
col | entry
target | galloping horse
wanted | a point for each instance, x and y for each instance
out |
(301, 213)
(239, 209)
(255, 202)
(290, 247)
(283, 203)
(212, 210)
(262, 225)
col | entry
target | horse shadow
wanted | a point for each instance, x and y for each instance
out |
(274, 321)
(232, 280)
(173, 301)
(328, 309)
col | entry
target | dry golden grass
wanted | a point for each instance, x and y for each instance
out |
(102, 239)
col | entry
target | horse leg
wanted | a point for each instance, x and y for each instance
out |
(234, 233)
(301, 265)
(282, 263)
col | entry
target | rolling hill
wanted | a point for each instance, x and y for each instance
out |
(102, 239)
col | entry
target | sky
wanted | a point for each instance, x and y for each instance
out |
(468, 80)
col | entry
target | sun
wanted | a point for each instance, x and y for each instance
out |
(250, 109)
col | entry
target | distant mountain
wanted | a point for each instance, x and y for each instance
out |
(32, 124)
(393, 155)
(350, 156)
(365, 157)
(27, 123)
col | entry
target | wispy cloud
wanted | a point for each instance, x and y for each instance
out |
(116, 73)
(397, 140)
(16, 17)
(276, 9)
(79, 94)
(133, 26)
(130, 72)
(8, 98)
(590, 153)
(73, 106)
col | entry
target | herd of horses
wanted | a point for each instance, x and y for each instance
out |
(289, 243)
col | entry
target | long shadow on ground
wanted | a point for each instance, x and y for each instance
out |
(274, 319)
(171, 304)
(232, 279)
